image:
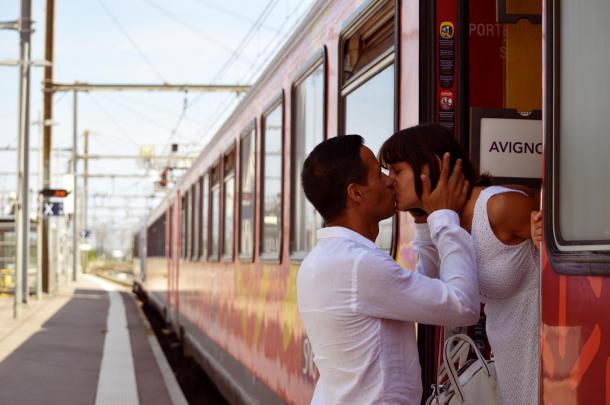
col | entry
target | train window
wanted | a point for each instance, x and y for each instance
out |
(368, 85)
(189, 223)
(195, 192)
(155, 238)
(229, 205)
(272, 168)
(247, 187)
(215, 214)
(308, 130)
(203, 218)
(170, 232)
(183, 210)
(581, 197)
(369, 38)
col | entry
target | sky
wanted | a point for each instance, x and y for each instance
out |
(136, 41)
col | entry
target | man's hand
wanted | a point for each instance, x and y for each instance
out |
(536, 227)
(450, 192)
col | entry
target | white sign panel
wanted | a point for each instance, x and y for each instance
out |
(511, 147)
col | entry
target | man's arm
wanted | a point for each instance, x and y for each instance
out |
(385, 290)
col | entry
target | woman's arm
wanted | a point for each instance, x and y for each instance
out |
(428, 260)
(510, 216)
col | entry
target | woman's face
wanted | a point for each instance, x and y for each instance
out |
(406, 196)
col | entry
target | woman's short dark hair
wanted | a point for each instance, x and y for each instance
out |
(421, 145)
(330, 167)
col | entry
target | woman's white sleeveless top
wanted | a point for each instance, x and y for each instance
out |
(508, 284)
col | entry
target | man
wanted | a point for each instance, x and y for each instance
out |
(358, 305)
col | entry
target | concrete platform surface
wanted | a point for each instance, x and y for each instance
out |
(89, 344)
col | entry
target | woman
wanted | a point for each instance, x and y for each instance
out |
(499, 220)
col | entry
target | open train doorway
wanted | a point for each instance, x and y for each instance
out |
(481, 77)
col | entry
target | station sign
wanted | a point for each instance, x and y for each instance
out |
(507, 145)
(53, 209)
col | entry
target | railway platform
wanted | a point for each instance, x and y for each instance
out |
(88, 344)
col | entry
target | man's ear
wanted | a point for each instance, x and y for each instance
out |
(354, 192)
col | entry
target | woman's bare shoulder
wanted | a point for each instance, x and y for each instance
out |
(509, 215)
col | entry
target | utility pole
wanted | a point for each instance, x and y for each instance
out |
(74, 190)
(85, 196)
(41, 245)
(23, 218)
(45, 167)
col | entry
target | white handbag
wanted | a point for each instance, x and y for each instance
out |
(474, 381)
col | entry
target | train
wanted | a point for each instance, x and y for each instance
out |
(520, 83)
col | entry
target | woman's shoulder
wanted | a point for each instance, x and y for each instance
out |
(509, 214)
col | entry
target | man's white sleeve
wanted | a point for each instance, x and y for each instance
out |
(385, 290)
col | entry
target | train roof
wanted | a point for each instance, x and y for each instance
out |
(314, 13)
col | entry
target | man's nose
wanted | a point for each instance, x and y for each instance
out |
(390, 181)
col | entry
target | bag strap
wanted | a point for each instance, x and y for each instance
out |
(451, 371)
(437, 392)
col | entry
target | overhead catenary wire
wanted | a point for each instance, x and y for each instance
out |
(244, 42)
(132, 41)
(208, 128)
(146, 118)
(264, 14)
(231, 13)
(205, 36)
(111, 119)
(152, 106)
(56, 102)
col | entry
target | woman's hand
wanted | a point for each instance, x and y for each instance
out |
(536, 227)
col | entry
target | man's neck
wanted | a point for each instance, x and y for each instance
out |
(368, 229)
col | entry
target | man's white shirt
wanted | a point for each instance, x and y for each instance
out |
(359, 308)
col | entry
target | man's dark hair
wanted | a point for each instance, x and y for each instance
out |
(330, 167)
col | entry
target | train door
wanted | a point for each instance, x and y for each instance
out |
(575, 330)
(486, 87)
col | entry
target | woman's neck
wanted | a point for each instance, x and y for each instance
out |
(468, 211)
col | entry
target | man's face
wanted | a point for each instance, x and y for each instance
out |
(406, 196)
(378, 194)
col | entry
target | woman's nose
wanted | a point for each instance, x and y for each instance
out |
(390, 180)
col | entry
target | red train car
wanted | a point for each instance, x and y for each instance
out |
(219, 256)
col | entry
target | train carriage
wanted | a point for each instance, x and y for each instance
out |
(219, 256)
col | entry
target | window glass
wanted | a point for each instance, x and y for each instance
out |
(584, 122)
(369, 111)
(188, 224)
(309, 131)
(196, 224)
(170, 230)
(155, 238)
(215, 215)
(204, 218)
(183, 228)
(247, 187)
(229, 204)
(369, 41)
(272, 182)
